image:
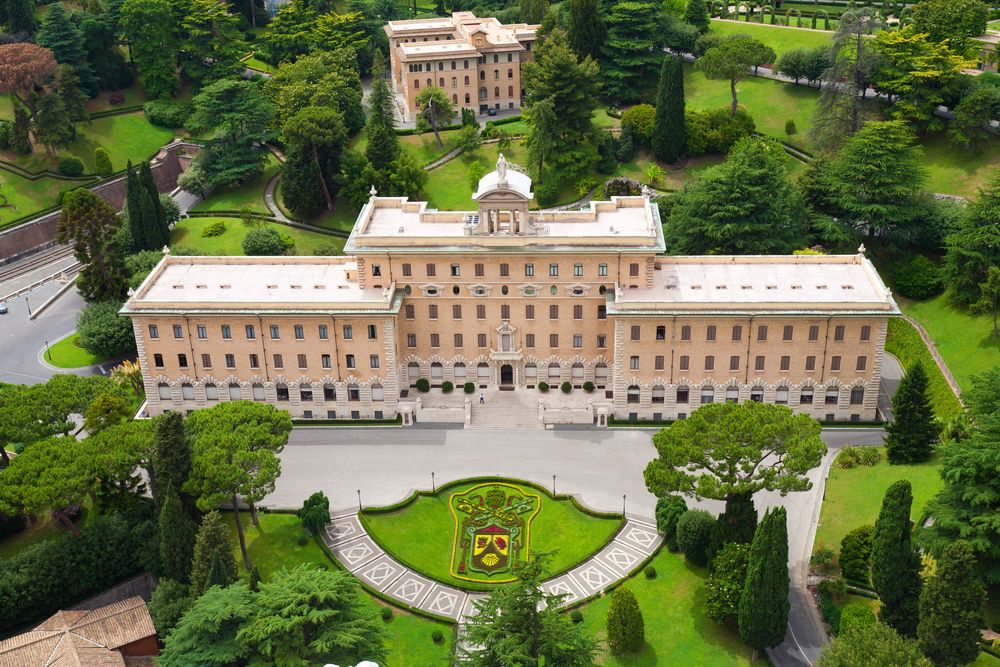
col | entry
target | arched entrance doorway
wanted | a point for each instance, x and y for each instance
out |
(506, 375)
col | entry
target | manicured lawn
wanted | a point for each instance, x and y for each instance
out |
(45, 528)
(673, 179)
(247, 196)
(423, 148)
(779, 38)
(421, 534)
(854, 496)
(408, 636)
(965, 341)
(134, 95)
(20, 197)
(6, 107)
(448, 187)
(905, 343)
(188, 233)
(260, 65)
(677, 630)
(68, 353)
(956, 170)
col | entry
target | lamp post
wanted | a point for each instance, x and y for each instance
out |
(433, 485)
(623, 504)
(28, 304)
(48, 353)
(359, 500)
(553, 485)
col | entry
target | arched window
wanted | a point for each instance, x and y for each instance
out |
(211, 392)
(187, 391)
(378, 393)
(554, 370)
(482, 75)
(601, 373)
(857, 395)
(258, 392)
(235, 394)
(454, 82)
(454, 99)
(806, 395)
(832, 395)
(413, 370)
(441, 82)
(577, 371)
(164, 391)
(282, 391)
(430, 82)
(353, 392)
(510, 91)
(467, 81)
(530, 372)
(483, 93)
(659, 394)
(416, 84)
(757, 394)
(732, 394)
(496, 91)
(329, 392)
(781, 395)
(460, 371)
(633, 393)
(437, 371)
(467, 99)
(483, 370)
(708, 394)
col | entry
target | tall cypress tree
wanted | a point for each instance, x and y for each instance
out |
(763, 608)
(895, 561)
(156, 226)
(669, 131)
(211, 551)
(737, 523)
(133, 212)
(626, 628)
(176, 534)
(910, 436)
(586, 28)
(951, 608)
(696, 14)
(21, 16)
(383, 144)
(172, 459)
(20, 135)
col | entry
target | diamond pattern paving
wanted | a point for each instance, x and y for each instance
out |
(343, 530)
(381, 572)
(640, 537)
(620, 558)
(358, 552)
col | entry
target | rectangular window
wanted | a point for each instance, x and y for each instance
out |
(710, 363)
(658, 362)
(814, 332)
(458, 340)
(279, 361)
(602, 341)
(634, 332)
(324, 332)
(456, 270)
(373, 360)
(553, 270)
(553, 312)
(480, 270)
(274, 332)
(230, 361)
(633, 270)
(529, 312)
(349, 361)
(762, 332)
(431, 271)
(329, 392)
(810, 363)
(633, 363)
(786, 333)
(857, 395)
(325, 360)
(158, 360)
(553, 340)
(154, 332)
(480, 312)
(206, 361)
(411, 340)
(685, 362)
(710, 332)
(686, 332)
(178, 331)
(577, 340)
(835, 363)
(758, 363)
(348, 332)
(372, 332)
(737, 332)
(683, 394)
(734, 362)
(838, 332)
(226, 332)
(862, 363)
(602, 312)
(300, 333)
(786, 363)
(251, 334)
(376, 270)
(602, 270)
(407, 271)
(480, 340)
(408, 310)
(504, 270)
(432, 311)
(202, 332)
(302, 361)
(866, 333)
(661, 332)
(504, 311)
(529, 340)
(435, 340)
(456, 311)
(306, 396)
(182, 360)
(578, 270)
(529, 270)
(254, 361)
(577, 312)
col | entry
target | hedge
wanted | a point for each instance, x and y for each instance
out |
(395, 421)
(904, 342)
(409, 131)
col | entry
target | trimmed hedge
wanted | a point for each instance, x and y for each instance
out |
(167, 113)
(70, 166)
(395, 421)
(904, 342)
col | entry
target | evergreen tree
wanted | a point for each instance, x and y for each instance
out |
(895, 562)
(383, 144)
(974, 247)
(763, 606)
(726, 581)
(696, 14)
(951, 609)
(156, 226)
(133, 212)
(91, 224)
(911, 434)
(151, 30)
(300, 183)
(21, 16)
(171, 464)
(668, 511)
(61, 36)
(219, 575)
(737, 523)
(532, 11)
(52, 126)
(626, 629)
(68, 88)
(20, 133)
(176, 534)
(586, 28)
(211, 544)
(874, 645)
(631, 50)
(669, 133)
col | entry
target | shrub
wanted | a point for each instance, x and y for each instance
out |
(167, 113)
(423, 385)
(588, 386)
(168, 604)
(668, 511)
(626, 628)
(576, 616)
(114, 99)
(823, 556)
(386, 613)
(263, 241)
(566, 387)
(848, 457)
(856, 553)
(543, 387)
(102, 162)
(326, 249)
(790, 128)
(70, 166)
(694, 532)
(437, 636)
(585, 185)
(830, 612)
(447, 387)
(856, 615)
(6, 130)
(640, 119)
(302, 540)
(716, 130)
(315, 512)
(870, 456)
(103, 332)
(622, 186)
(469, 387)
(546, 194)
(649, 571)
(917, 278)
(475, 171)
(214, 229)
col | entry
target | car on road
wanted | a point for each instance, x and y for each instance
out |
(3, 308)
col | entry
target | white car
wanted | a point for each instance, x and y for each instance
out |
(3, 308)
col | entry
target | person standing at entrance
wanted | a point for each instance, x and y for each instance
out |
(482, 398)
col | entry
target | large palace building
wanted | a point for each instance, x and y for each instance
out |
(504, 297)
(477, 62)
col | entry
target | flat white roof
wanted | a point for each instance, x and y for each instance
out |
(437, 48)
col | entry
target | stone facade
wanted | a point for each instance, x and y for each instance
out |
(504, 297)
(477, 62)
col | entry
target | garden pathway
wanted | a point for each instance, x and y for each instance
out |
(365, 559)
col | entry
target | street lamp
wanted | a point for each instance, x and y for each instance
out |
(27, 303)
(359, 500)
(623, 504)
(553, 485)
(433, 486)
(48, 353)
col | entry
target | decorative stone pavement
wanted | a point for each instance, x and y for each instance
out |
(365, 559)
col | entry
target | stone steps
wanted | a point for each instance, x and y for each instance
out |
(504, 416)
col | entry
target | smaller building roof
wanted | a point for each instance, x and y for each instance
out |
(425, 50)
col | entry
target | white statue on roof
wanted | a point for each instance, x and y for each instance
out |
(502, 169)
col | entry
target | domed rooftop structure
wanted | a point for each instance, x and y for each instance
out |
(505, 181)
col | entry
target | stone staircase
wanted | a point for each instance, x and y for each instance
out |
(504, 414)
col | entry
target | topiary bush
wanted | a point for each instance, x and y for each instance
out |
(263, 241)
(469, 387)
(668, 511)
(917, 278)
(437, 636)
(214, 229)
(386, 613)
(576, 616)
(447, 387)
(856, 553)
(102, 162)
(790, 128)
(694, 532)
(566, 387)
(543, 387)
(588, 386)
(70, 166)
(649, 571)
(167, 113)
(626, 628)
(422, 385)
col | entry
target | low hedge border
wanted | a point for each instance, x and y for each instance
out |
(505, 121)
(118, 111)
(388, 509)
(634, 572)
(397, 421)
(410, 131)
(862, 592)
(267, 218)
(987, 647)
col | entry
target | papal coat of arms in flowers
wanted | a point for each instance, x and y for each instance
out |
(492, 529)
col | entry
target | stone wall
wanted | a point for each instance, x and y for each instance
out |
(40, 233)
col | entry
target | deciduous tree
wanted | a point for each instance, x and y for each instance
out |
(25, 70)
(956, 21)
(150, 28)
(895, 562)
(103, 332)
(725, 583)
(436, 108)
(875, 645)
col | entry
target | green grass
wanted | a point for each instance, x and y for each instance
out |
(422, 533)
(20, 197)
(423, 148)
(259, 65)
(779, 38)
(6, 107)
(677, 630)
(250, 195)
(134, 95)
(965, 341)
(408, 636)
(45, 528)
(68, 353)
(955, 170)
(188, 233)
(905, 343)
(854, 496)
